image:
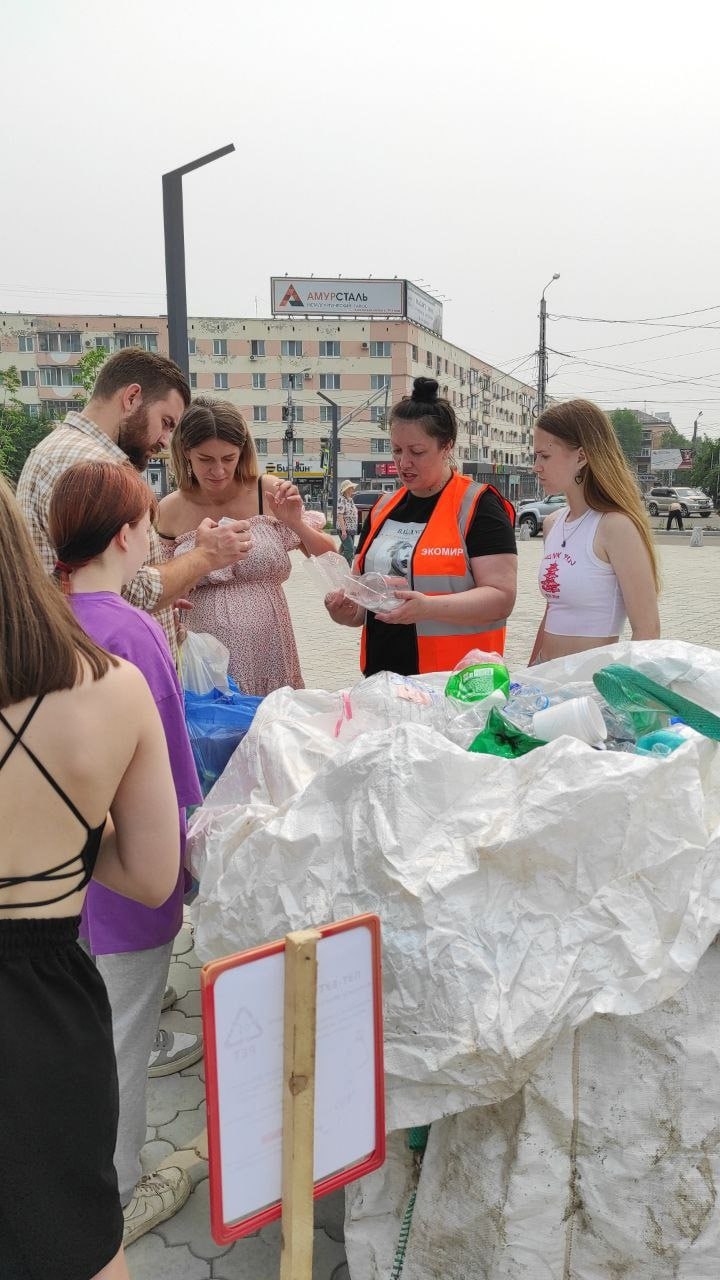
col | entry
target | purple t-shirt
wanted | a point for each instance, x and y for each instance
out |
(112, 923)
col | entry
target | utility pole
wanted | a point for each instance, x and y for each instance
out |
(542, 349)
(335, 410)
(175, 255)
(695, 428)
(290, 430)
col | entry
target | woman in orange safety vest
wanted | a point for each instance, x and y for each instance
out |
(449, 537)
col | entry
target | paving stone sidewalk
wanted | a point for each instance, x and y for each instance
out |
(183, 1249)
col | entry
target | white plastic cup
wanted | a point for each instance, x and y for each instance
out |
(578, 718)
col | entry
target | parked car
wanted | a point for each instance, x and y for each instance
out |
(532, 511)
(693, 502)
(364, 499)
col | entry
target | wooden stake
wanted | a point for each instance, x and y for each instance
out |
(296, 1257)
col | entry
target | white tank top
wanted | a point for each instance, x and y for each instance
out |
(582, 592)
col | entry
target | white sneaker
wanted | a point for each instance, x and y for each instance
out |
(173, 1051)
(156, 1198)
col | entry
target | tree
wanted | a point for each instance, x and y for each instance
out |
(706, 467)
(19, 433)
(86, 370)
(672, 439)
(628, 431)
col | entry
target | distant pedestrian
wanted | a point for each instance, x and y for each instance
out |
(347, 520)
(674, 513)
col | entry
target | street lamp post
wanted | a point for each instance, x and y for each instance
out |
(175, 255)
(695, 428)
(542, 349)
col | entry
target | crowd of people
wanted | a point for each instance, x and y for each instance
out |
(96, 770)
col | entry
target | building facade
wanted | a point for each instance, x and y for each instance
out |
(274, 368)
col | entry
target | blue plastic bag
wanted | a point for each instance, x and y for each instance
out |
(216, 723)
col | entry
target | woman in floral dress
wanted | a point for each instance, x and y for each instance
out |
(244, 606)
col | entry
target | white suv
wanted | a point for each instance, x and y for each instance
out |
(693, 502)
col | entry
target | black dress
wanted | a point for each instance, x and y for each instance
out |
(60, 1214)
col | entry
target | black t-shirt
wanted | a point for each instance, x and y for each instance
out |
(392, 646)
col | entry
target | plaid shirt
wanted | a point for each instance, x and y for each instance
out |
(77, 439)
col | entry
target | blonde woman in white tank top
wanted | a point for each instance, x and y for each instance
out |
(599, 566)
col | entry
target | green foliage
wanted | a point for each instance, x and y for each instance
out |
(86, 370)
(628, 431)
(672, 439)
(706, 467)
(19, 433)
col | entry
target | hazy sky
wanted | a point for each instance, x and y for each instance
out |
(476, 148)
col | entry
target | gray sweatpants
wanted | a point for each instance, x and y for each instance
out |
(135, 982)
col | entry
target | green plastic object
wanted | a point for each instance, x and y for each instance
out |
(501, 738)
(641, 698)
(472, 684)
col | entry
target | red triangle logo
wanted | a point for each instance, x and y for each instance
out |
(292, 298)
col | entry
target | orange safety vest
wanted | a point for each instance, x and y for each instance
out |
(440, 565)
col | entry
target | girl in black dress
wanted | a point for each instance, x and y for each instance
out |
(85, 790)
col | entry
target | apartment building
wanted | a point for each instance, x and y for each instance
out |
(274, 367)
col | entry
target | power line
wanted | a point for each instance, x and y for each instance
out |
(673, 315)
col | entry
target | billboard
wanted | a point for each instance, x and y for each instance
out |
(422, 309)
(313, 296)
(300, 296)
(665, 459)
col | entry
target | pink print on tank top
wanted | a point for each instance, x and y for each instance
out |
(549, 584)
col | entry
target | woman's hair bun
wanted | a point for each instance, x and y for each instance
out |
(425, 390)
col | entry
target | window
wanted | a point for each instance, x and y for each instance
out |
(27, 378)
(62, 340)
(383, 349)
(298, 413)
(50, 376)
(447, 366)
(379, 445)
(259, 413)
(377, 413)
(26, 343)
(261, 444)
(257, 347)
(102, 344)
(33, 410)
(415, 352)
(219, 346)
(379, 380)
(329, 348)
(428, 359)
(193, 382)
(290, 347)
(292, 381)
(57, 409)
(147, 341)
(191, 347)
(221, 382)
(259, 382)
(326, 413)
(329, 381)
(298, 445)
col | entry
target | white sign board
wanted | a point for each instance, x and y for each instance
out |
(298, 296)
(245, 1070)
(421, 308)
(665, 459)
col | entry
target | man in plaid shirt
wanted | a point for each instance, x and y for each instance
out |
(138, 400)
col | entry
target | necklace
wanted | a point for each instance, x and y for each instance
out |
(576, 526)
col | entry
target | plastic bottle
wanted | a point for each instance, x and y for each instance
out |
(524, 701)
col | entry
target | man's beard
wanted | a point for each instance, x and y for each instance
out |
(132, 438)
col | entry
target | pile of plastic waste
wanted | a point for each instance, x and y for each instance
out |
(548, 908)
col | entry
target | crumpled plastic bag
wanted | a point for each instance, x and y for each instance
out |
(518, 897)
(204, 663)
